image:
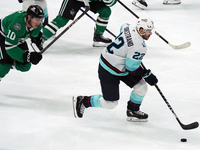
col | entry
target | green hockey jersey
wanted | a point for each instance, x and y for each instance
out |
(13, 28)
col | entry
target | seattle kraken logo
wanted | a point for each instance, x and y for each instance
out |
(144, 44)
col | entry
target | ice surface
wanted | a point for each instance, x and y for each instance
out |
(36, 108)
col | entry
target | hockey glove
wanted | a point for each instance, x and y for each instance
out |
(20, 1)
(32, 57)
(150, 78)
(38, 41)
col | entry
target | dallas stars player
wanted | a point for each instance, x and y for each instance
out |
(14, 30)
(69, 9)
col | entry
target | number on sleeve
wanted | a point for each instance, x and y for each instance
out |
(11, 35)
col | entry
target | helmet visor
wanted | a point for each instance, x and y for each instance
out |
(37, 20)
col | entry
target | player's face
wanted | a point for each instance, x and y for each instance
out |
(35, 22)
(147, 34)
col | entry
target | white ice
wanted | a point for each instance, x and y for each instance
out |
(36, 106)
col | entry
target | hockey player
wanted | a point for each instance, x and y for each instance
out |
(142, 4)
(41, 3)
(14, 30)
(121, 61)
(69, 9)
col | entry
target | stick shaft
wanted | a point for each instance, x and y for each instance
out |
(185, 127)
(67, 28)
(95, 21)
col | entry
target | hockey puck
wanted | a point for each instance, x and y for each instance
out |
(183, 140)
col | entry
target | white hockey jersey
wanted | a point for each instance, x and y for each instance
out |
(125, 54)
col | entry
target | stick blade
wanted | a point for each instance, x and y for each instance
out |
(182, 46)
(190, 126)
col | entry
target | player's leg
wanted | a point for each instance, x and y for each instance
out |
(136, 97)
(5, 60)
(4, 69)
(110, 92)
(23, 67)
(68, 10)
(101, 22)
(171, 2)
(140, 3)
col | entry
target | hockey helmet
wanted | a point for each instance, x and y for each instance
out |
(35, 11)
(145, 24)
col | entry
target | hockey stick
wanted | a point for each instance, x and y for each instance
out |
(184, 45)
(184, 126)
(95, 21)
(67, 28)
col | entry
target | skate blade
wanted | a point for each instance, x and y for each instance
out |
(134, 119)
(172, 3)
(139, 5)
(74, 101)
(99, 44)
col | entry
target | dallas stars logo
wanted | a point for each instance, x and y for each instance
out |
(72, 12)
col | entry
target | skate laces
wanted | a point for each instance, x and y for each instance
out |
(139, 113)
(82, 108)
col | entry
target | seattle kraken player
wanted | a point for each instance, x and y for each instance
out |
(121, 61)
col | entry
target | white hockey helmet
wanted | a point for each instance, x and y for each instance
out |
(145, 24)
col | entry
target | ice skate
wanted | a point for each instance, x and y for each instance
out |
(100, 40)
(136, 116)
(140, 4)
(78, 106)
(171, 2)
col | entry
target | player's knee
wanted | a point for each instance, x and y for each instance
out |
(105, 12)
(141, 88)
(108, 104)
(4, 69)
(23, 68)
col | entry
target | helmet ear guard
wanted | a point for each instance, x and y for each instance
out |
(145, 24)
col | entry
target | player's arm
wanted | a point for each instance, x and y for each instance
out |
(133, 66)
(38, 40)
(11, 42)
(17, 53)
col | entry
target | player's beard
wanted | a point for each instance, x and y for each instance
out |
(146, 37)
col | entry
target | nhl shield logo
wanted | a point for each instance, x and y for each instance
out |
(17, 26)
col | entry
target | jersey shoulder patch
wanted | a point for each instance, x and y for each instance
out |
(17, 26)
